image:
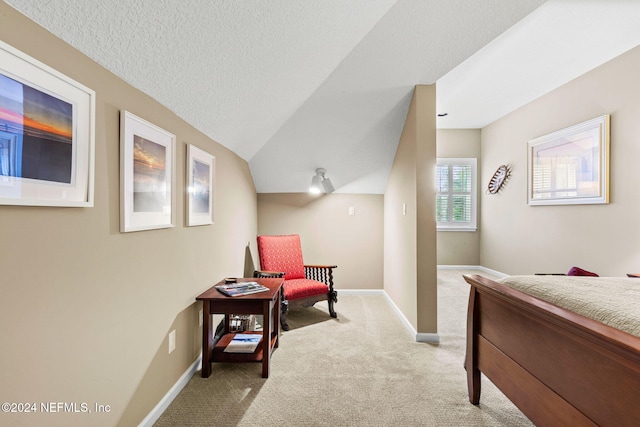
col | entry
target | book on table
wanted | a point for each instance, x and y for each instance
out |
(243, 343)
(241, 288)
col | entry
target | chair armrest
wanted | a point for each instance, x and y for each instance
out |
(262, 274)
(321, 273)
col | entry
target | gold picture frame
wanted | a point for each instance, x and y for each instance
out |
(570, 166)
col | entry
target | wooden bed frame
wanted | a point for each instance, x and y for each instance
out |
(559, 368)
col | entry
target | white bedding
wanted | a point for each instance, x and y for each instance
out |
(614, 301)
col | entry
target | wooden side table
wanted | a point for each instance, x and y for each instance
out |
(266, 303)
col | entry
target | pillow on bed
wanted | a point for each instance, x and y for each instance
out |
(577, 271)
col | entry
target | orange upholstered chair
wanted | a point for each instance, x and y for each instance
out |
(304, 285)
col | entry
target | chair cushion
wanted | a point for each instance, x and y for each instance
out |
(282, 253)
(301, 288)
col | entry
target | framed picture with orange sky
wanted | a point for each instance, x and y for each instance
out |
(47, 134)
(147, 175)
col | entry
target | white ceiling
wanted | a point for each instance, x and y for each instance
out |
(293, 85)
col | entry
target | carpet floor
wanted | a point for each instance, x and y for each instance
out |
(362, 369)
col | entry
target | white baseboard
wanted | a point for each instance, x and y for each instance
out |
(428, 338)
(360, 292)
(472, 267)
(419, 337)
(490, 271)
(173, 392)
(459, 267)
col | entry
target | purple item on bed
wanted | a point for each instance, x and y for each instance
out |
(577, 271)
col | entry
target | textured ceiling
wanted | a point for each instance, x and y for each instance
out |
(293, 85)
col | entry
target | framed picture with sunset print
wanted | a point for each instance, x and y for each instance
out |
(147, 175)
(200, 180)
(47, 134)
(570, 166)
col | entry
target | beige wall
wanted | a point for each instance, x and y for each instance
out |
(460, 247)
(409, 234)
(522, 239)
(85, 309)
(329, 234)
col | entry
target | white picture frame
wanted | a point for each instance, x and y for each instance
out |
(200, 181)
(570, 166)
(147, 175)
(47, 134)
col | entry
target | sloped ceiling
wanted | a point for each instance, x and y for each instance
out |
(293, 85)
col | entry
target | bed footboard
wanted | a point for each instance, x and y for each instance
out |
(557, 367)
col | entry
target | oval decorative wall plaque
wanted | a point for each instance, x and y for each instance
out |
(498, 179)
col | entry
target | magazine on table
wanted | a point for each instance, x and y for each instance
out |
(243, 343)
(241, 288)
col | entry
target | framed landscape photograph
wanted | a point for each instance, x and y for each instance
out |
(147, 175)
(47, 134)
(200, 180)
(570, 166)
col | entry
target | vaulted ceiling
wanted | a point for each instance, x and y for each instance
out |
(293, 85)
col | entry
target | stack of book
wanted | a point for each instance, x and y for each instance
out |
(242, 322)
(243, 343)
(241, 288)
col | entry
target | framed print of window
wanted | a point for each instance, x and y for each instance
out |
(456, 194)
(570, 166)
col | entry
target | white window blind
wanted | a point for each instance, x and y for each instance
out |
(557, 177)
(456, 194)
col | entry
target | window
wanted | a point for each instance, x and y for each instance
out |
(456, 194)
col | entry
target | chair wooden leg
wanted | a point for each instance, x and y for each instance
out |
(333, 298)
(284, 308)
(332, 312)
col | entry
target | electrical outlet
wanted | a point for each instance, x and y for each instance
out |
(352, 211)
(200, 317)
(172, 341)
(404, 209)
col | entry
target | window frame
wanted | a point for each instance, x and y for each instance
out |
(472, 225)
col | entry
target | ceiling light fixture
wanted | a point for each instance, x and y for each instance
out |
(316, 184)
(319, 182)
